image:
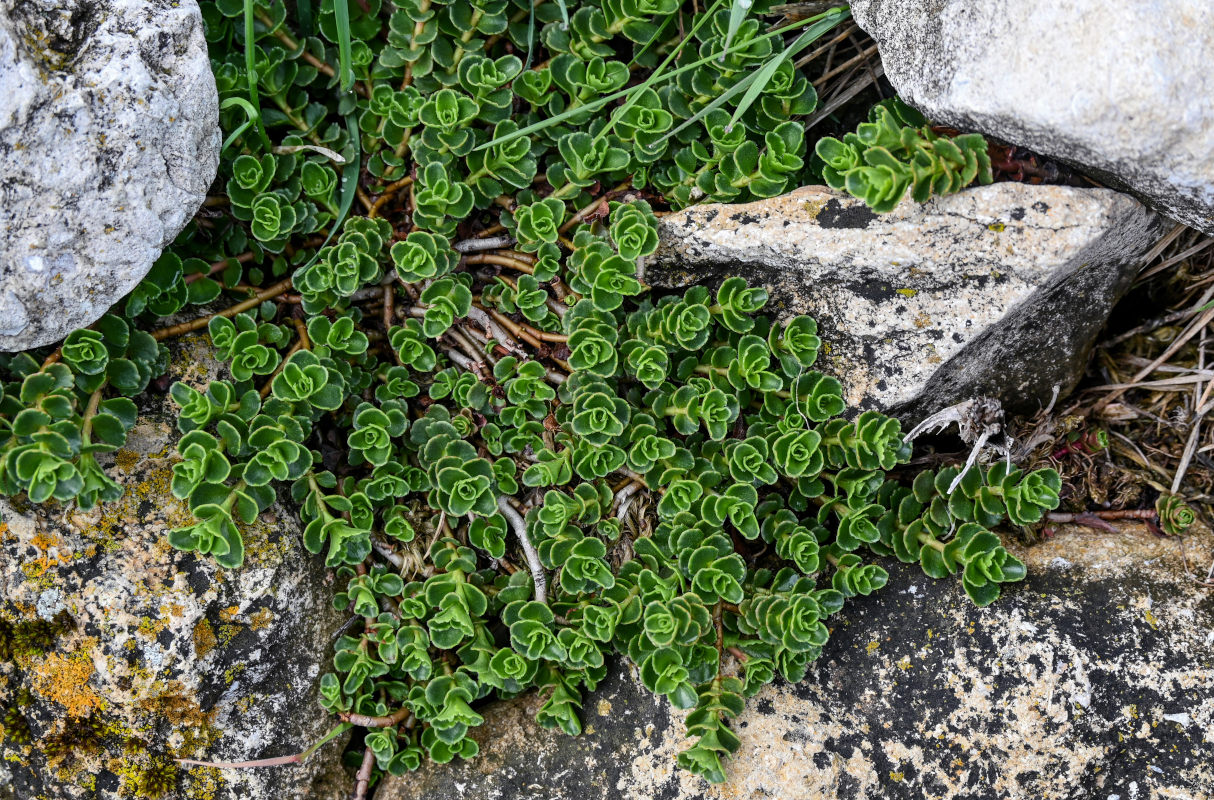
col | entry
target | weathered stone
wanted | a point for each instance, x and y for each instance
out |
(1092, 678)
(172, 655)
(1103, 84)
(999, 290)
(109, 138)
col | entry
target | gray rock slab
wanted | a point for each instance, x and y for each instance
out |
(1092, 679)
(171, 655)
(999, 290)
(1119, 88)
(109, 138)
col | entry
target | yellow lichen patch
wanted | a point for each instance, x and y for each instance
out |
(203, 783)
(228, 614)
(64, 680)
(149, 627)
(997, 227)
(908, 292)
(814, 207)
(126, 459)
(177, 706)
(204, 638)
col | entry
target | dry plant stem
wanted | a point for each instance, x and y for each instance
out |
(485, 243)
(492, 230)
(264, 762)
(1159, 322)
(862, 56)
(1139, 513)
(842, 98)
(1194, 328)
(387, 195)
(302, 330)
(1200, 409)
(265, 389)
(525, 331)
(478, 315)
(501, 261)
(623, 498)
(594, 205)
(511, 325)
(388, 309)
(202, 322)
(848, 31)
(1176, 259)
(533, 559)
(362, 781)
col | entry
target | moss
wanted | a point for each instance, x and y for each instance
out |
(156, 779)
(16, 727)
(32, 637)
(83, 736)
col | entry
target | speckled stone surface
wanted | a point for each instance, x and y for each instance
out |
(109, 139)
(1119, 88)
(1092, 679)
(172, 655)
(998, 290)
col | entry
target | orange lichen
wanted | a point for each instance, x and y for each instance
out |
(204, 638)
(64, 679)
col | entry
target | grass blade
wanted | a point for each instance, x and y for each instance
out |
(737, 13)
(341, 15)
(251, 74)
(764, 75)
(597, 104)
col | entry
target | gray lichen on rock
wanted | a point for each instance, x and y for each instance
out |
(109, 139)
(1090, 679)
(998, 290)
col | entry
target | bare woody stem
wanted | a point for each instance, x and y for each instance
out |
(533, 560)
(362, 720)
(202, 322)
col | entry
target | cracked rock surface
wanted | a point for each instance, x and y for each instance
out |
(1091, 679)
(109, 138)
(999, 290)
(1117, 88)
(148, 653)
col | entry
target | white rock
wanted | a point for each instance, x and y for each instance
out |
(1119, 88)
(998, 290)
(109, 138)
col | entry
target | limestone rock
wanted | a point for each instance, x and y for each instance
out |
(999, 290)
(165, 653)
(1115, 87)
(1090, 679)
(109, 138)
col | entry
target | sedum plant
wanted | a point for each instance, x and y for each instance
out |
(896, 151)
(517, 459)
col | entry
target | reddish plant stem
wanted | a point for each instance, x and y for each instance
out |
(363, 780)
(364, 721)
